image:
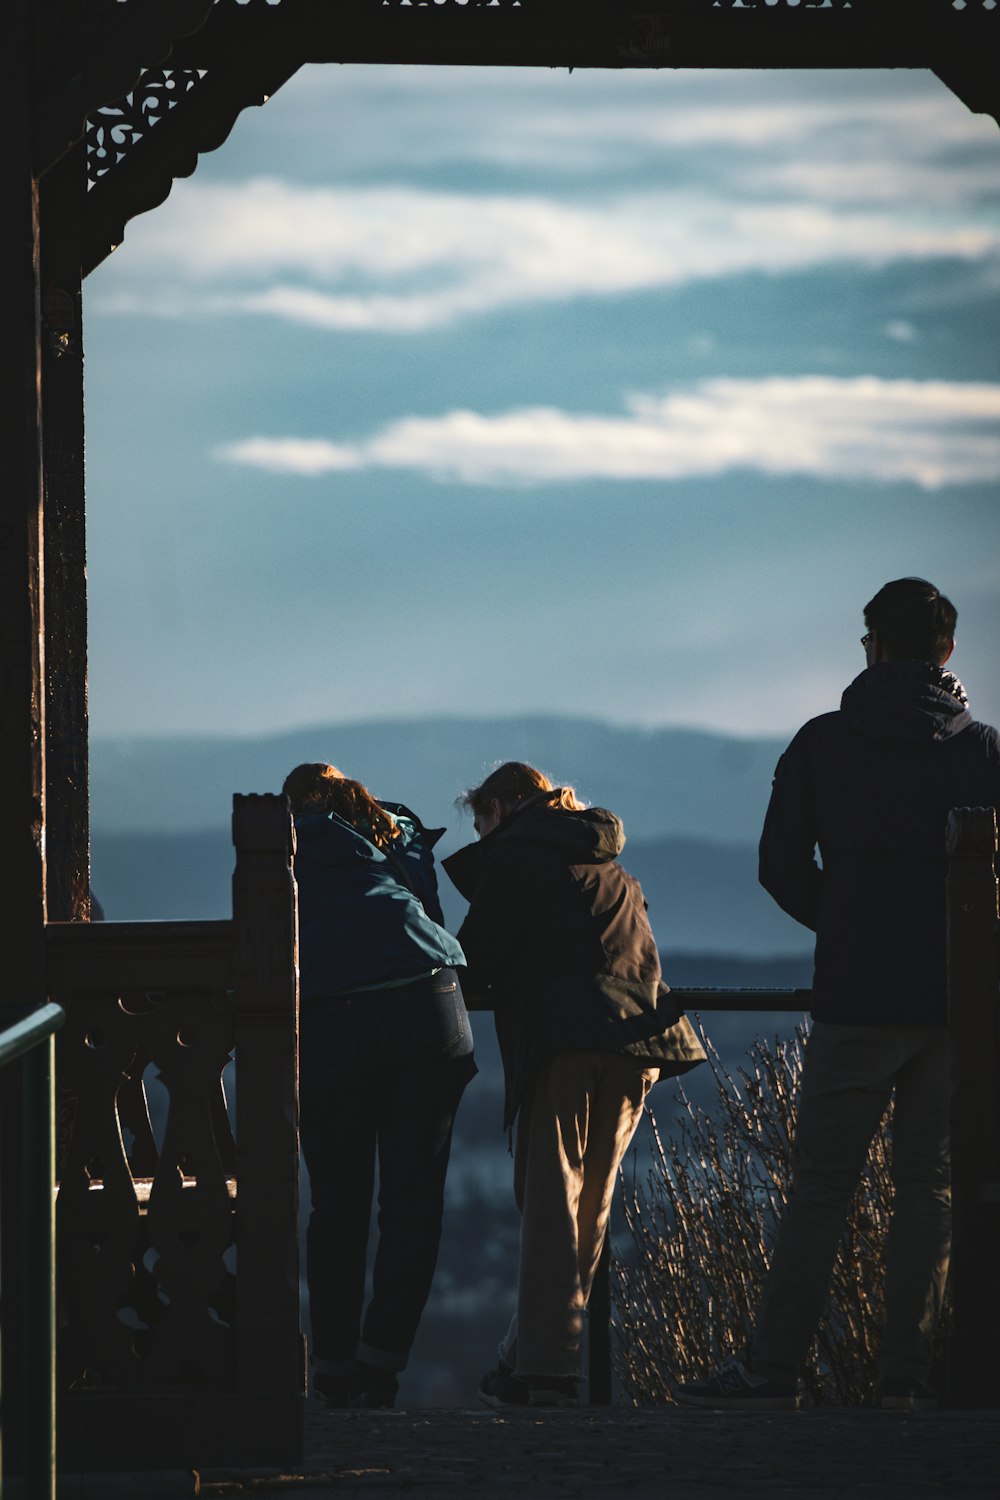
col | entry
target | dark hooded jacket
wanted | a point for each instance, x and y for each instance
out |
(871, 786)
(557, 933)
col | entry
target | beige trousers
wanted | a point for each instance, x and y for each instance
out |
(573, 1129)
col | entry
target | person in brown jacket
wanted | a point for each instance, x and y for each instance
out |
(559, 946)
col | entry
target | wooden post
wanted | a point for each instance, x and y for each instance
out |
(599, 1330)
(22, 708)
(973, 970)
(63, 193)
(270, 1352)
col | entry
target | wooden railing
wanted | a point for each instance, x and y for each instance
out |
(178, 1309)
(178, 1306)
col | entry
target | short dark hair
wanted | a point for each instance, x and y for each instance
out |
(913, 620)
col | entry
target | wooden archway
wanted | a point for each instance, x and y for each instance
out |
(106, 103)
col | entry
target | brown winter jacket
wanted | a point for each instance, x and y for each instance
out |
(558, 937)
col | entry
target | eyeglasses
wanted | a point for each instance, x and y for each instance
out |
(866, 638)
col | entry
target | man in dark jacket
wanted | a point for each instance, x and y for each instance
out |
(558, 938)
(871, 786)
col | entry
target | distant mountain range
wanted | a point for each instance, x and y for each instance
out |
(692, 804)
(677, 783)
(703, 898)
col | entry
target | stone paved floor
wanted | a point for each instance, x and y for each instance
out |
(654, 1454)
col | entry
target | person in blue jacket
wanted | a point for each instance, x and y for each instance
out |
(385, 1055)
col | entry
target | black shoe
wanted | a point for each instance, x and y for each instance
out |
(552, 1390)
(501, 1387)
(331, 1390)
(899, 1393)
(372, 1388)
(734, 1387)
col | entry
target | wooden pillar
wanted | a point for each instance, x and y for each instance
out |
(270, 1354)
(974, 1016)
(63, 192)
(22, 708)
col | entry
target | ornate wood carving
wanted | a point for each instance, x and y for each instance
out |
(137, 149)
(177, 1241)
(245, 49)
(974, 1008)
(114, 128)
(93, 53)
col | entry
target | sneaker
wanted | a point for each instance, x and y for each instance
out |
(331, 1390)
(552, 1390)
(372, 1388)
(734, 1387)
(900, 1393)
(501, 1387)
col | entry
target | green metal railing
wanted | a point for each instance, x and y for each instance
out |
(29, 1037)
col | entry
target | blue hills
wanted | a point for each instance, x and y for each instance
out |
(692, 803)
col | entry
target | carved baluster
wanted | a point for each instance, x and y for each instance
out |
(973, 972)
(97, 1214)
(189, 1038)
(269, 1341)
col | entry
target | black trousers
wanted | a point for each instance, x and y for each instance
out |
(381, 1076)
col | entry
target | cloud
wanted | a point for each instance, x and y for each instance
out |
(306, 456)
(930, 433)
(405, 259)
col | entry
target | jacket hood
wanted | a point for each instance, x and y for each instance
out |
(906, 702)
(590, 836)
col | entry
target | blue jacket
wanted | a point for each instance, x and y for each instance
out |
(872, 786)
(367, 916)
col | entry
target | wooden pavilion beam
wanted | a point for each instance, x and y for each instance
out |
(615, 34)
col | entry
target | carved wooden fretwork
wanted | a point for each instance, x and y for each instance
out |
(144, 1231)
(113, 130)
(184, 98)
(178, 1279)
(92, 53)
(138, 149)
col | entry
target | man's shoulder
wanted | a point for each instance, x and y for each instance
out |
(815, 731)
(984, 735)
(830, 737)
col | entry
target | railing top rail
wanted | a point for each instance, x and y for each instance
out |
(746, 999)
(27, 1029)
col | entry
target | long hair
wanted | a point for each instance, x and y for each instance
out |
(316, 788)
(511, 783)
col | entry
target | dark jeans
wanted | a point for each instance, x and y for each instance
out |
(380, 1072)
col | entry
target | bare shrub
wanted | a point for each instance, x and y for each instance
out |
(703, 1224)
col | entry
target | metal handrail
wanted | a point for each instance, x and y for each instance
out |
(22, 1035)
(30, 1038)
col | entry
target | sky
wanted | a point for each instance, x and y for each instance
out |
(460, 391)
